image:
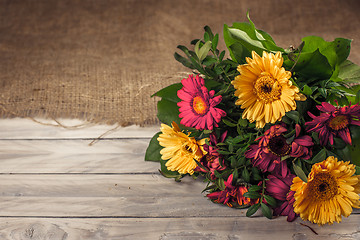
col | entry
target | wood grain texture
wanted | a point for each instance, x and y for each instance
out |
(75, 156)
(19, 128)
(214, 228)
(53, 185)
(140, 195)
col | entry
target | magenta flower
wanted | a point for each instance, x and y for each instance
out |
(267, 154)
(232, 195)
(279, 188)
(212, 161)
(334, 122)
(197, 108)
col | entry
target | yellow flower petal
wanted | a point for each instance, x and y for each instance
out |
(327, 195)
(179, 150)
(264, 81)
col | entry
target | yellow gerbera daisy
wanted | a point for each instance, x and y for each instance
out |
(331, 191)
(179, 149)
(264, 89)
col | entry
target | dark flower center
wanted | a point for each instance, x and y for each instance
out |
(188, 149)
(339, 122)
(266, 88)
(323, 186)
(278, 146)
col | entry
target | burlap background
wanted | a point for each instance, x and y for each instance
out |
(101, 60)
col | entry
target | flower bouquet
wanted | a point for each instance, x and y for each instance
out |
(267, 128)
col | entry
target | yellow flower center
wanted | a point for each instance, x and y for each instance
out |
(199, 105)
(339, 122)
(267, 88)
(323, 186)
(278, 146)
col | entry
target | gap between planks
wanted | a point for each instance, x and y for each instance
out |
(19, 128)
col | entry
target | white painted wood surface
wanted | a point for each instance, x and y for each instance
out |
(53, 185)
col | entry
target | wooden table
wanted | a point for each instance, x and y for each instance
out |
(55, 186)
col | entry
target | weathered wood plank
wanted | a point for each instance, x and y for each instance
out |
(216, 228)
(98, 185)
(75, 156)
(105, 195)
(19, 128)
(126, 195)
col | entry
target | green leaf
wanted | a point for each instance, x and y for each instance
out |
(220, 183)
(256, 174)
(206, 37)
(357, 98)
(335, 52)
(231, 147)
(168, 112)
(167, 173)
(183, 61)
(169, 93)
(323, 92)
(355, 147)
(303, 107)
(204, 50)
(270, 200)
(299, 172)
(222, 54)
(211, 84)
(197, 48)
(153, 150)
(228, 123)
(224, 152)
(349, 72)
(357, 172)
(338, 143)
(238, 53)
(215, 42)
(210, 187)
(209, 32)
(233, 161)
(266, 211)
(245, 175)
(294, 115)
(209, 60)
(307, 90)
(254, 188)
(321, 156)
(252, 195)
(235, 176)
(252, 210)
(251, 38)
(242, 38)
(243, 122)
(310, 65)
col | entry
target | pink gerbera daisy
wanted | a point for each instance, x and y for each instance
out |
(272, 146)
(334, 122)
(197, 108)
